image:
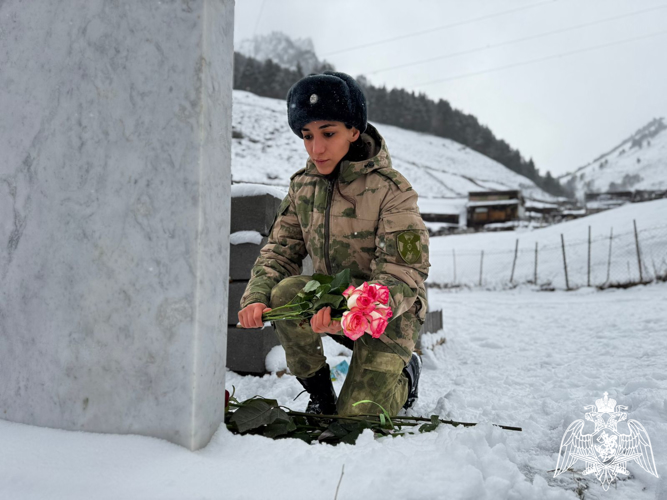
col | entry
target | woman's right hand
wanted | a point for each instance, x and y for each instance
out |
(251, 315)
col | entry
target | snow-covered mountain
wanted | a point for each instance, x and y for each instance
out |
(283, 50)
(639, 162)
(266, 151)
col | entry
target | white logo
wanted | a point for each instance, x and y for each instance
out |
(607, 458)
(313, 98)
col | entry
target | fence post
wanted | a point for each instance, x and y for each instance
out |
(639, 255)
(588, 282)
(454, 257)
(516, 250)
(611, 237)
(535, 278)
(567, 281)
(481, 267)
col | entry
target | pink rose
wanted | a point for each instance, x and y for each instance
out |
(369, 290)
(377, 325)
(348, 291)
(382, 294)
(354, 324)
(352, 298)
(384, 311)
(364, 304)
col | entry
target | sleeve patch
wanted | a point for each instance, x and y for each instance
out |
(409, 246)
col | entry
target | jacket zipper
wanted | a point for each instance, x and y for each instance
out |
(327, 216)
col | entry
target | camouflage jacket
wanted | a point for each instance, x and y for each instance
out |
(366, 220)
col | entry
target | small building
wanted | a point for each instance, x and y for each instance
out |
(640, 195)
(573, 213)
(599, 202)
(499, 208)
(442, 215)
(570, 209)
(542, 212)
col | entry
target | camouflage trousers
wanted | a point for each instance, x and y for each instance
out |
(376, 370)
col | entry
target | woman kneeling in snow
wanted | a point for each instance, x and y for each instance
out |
(348, 208)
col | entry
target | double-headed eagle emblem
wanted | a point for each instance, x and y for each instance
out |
(606, 451)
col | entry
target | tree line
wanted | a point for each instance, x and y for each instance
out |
(403, 109)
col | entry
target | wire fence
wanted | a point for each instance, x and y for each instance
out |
(622, 257)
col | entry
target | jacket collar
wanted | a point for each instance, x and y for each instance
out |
(351, 170)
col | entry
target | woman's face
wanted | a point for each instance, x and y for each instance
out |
(327, 142)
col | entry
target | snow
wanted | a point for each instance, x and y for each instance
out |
(466, 249)
(516, 357)
(275, 359)
(639, 162)
(540, 204)
(241, 237)
(544, 356)
(491, 203)
(437, 226)
(249, 189)
(441, 205)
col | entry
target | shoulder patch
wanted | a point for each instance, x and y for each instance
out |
(409, 246)
(298, 172)
(396, 177)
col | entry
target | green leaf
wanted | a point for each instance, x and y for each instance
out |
(435, 422)
(322, 278)
(341, 281)
(257, 412)
(387, 424)
(339, 432)
(279, 428)
(311, 286)
(322, 290)
(332, 301)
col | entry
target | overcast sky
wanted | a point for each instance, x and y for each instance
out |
(563, 110)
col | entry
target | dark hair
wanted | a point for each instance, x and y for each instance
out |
(358, 149)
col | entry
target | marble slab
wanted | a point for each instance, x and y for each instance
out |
(115, 180)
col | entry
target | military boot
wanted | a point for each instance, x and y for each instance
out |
(412, 370)
(322, 394)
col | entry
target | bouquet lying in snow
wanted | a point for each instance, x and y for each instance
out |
(360, 310)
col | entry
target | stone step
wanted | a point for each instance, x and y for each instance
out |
(247, 349)
(254, 213)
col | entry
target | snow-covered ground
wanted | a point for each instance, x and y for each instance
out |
(520, 357)
(465, 251)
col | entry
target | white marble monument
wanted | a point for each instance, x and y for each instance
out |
(115, 136)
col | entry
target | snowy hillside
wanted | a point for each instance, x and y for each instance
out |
(639, 162)
(265, 150)
(282, 49)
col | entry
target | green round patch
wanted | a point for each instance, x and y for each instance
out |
(409, 246)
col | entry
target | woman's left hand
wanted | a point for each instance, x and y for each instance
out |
(322, 322)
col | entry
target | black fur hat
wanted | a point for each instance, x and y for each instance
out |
(327, 96)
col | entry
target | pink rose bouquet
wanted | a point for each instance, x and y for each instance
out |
(363, 309)
(368, 310)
